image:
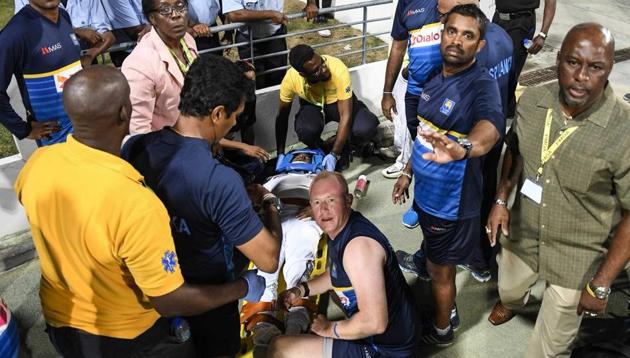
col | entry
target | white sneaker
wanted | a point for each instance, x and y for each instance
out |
(393, 171)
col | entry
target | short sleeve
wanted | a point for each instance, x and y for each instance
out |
(287, 91)
(342, 81)
(399, 30)
(487, 104)
(231, 5)
(621, 177)
(99, 20)
(147, 249)
(230, 207)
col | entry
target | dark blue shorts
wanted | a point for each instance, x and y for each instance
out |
(448, 242)
(352, 349)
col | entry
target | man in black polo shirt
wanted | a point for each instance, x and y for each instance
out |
(518, 19)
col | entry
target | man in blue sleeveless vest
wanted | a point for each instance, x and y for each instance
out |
(363, 272)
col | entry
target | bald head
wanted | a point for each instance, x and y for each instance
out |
(94, 97)
(592, 32)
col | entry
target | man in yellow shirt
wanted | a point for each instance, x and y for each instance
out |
(108, 262)
(324, 87)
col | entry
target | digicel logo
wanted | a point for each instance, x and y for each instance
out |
(421, 38)
(48, 49)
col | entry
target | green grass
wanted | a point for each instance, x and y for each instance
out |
(7, 145)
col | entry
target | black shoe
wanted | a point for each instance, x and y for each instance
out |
(431, 337)
(320, 19)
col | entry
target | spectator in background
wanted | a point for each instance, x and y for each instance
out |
(39, 48)
(156, 67)
(211, 214)
(202, 14)
(518, 19)
(324, 87)
(110, 274)
(90, 24)
(128, 23)
(270, 22)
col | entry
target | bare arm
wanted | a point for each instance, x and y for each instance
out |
(483, 136)
(394, 62)
(264, 248)
(499, 216)
(244, 15)
(548, 14)
(363, 260)
(282, 125)
(189, 300)
(345, 122)
(99, 48)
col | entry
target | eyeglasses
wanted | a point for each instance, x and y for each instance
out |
(167, 10)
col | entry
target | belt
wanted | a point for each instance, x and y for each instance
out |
(505, 16)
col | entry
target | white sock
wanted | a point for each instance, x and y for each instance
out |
(442, 332)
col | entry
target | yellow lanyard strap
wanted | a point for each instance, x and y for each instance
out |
(546, 151)
(187, 55)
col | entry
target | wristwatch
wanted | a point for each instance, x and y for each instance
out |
(541, 34)
(467, 145)
(500, 202)
(273, 200)
(600, 292)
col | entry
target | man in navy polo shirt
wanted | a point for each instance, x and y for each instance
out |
(39, 48)
(460, 120)
(207, 202)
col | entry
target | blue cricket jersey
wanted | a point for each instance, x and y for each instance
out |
(399, 337)
(417, 22)
(453, 105)
(42, 55)
(209, 208)
(496, 56)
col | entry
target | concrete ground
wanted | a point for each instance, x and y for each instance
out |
(476, 337)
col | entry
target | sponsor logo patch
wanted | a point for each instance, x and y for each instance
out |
(447, 106)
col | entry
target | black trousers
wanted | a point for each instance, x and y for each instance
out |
(204, 43)
(519, 29)
(267, 63)
(310, 122)
(156, 341)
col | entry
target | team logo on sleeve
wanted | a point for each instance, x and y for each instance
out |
(447, 106)
(169, 261)
(348, 89)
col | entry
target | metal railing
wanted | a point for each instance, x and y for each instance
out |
(251, 40)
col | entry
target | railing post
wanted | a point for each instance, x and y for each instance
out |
(251, 44)
(364, 39)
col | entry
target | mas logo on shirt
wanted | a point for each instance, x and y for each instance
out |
(47, 50)
(447, 106)
(411, 12)
(169, 261)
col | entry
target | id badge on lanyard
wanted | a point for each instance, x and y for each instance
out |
(531, 187)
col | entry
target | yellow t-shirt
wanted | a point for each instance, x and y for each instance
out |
(338, 87)
(103, 239)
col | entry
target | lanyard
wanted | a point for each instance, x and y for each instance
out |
(546, 151)
(188, 56)
(304, 86)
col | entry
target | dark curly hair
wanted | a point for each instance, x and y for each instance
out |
(147, 7)
(470, 10)
(299, 55)
(214, 81)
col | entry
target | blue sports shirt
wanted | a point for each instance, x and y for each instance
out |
(209, 208)
(496, 56)
(124, 13)
(417, 22)
(90, 14)
(453, 105)
(42, 55)
(399, 337)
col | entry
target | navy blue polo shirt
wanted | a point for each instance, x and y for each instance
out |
(399, 336)
(453, 105)
(417, 22)
(209, 208)
(496, 56)
(42, 55)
